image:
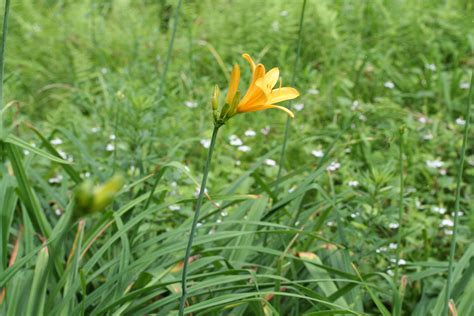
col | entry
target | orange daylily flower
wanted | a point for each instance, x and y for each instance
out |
(260, 94)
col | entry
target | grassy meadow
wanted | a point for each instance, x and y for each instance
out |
(359, 205)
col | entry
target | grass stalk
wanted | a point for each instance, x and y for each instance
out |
(170, 50)
(452, 249)
(293, 79)
(2, 58)
(400, 206)
(202, 190)
(163, 80)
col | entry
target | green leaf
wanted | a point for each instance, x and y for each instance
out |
(12, 139)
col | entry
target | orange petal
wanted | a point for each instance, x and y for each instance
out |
(271, 78)
(250, 61)
(272, 106)
(254, 92)
(233, 84)
(282, 94)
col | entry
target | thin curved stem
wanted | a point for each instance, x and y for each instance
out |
(293, 79)
(170, 50)
(452, 249)
(202, 190)
(2, 58)
(400, 206)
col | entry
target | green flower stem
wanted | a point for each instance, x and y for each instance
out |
(452, 249)
(2, 58)
(400, 209)
(195, 221)
(293, 79)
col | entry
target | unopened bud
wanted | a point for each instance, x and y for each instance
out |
(235, 103)
(215, 98)
(90, 199)
(105, 193)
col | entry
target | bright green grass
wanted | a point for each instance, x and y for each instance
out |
(81, 71)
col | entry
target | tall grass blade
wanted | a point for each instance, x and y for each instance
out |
(460, 170)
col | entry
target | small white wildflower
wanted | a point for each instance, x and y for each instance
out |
(434, 163)
(250, 133)
(265, 130)
(422, 120)
(389, 85)
(464, 85)
(62, 154)
(390, 272)
(104, 70)
(330, 223)
(348, 150)
(224, 213)
(205, 143)
(438, 209)
(362, 118)
(235, 141)
(26, 152)
(353, 183)
(198, 224)
(284, 13)
(95, 129)
(410, 190)
(112, 137)
(198, 190)
(174, 184)
(443, 172)
(317, 153)
(393, 245)
(354, 215)
(270, 162)
(56, 141)
(381, 249)
(237, 162)
(402, 262)
(244, 148)
(275, 26)
(56, 179)
(460, 121)
(431, 67)
(460, 213)
(110, 147)
(313, 91)
(355, 105)
(418, 204)
(333, 166)
(470, 161)
(393, 225)
(58, 212)
(448, 232)
(428, 136)
(174, 207)
(298, 106)
(218, 221)
(446, 222)
(191, 104)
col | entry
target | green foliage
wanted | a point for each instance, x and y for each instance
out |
(82, 103)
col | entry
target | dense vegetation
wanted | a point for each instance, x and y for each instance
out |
(360, 220)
